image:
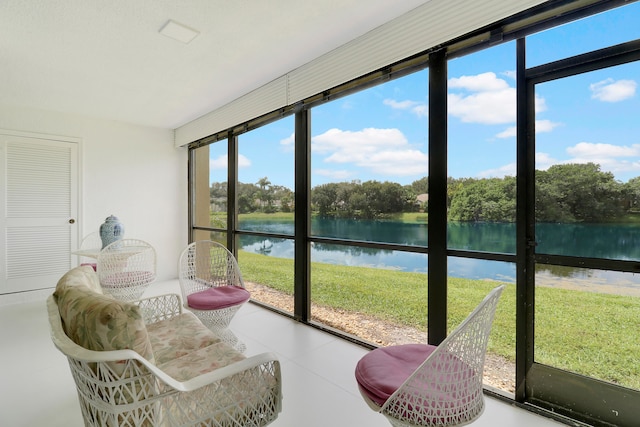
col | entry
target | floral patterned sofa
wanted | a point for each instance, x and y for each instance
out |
(147, 363)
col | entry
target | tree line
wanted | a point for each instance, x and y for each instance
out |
(569, 193)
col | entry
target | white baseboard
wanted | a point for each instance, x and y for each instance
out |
(23, 297)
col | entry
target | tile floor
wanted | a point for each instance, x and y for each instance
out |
(319, 389)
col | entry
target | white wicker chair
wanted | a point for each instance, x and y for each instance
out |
(208, 267)
(445, 389)
(244, 393)
(126, 268)
(90, 242)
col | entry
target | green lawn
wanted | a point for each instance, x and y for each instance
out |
(275, 216)
(588, 333)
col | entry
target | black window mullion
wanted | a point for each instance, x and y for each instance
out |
(232, 196)
(302, 222)
(437, 209)
(525, 221)
(191, 193)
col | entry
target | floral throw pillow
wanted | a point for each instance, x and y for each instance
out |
(81, 276)
(99, 322)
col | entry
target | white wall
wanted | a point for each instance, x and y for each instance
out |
(133, 172)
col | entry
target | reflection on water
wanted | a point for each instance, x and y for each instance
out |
(614, 242)
(582, 279)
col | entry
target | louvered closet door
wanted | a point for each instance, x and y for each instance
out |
(38, 197)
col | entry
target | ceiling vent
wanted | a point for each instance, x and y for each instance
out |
(179, 32)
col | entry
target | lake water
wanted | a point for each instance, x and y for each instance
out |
(621, 242)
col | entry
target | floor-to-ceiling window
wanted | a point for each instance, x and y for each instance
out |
(541, 168)
(585, 137)
(585, 198)
(369, 172)
(208, 176)
(265, 211)
(256, 204)
(481, 195)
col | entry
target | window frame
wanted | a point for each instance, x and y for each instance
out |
(546, 379)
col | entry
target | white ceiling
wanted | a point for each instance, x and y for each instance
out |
(107, 59)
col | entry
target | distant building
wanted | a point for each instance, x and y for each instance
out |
(422, 198)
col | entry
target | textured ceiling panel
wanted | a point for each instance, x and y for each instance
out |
(107, 59)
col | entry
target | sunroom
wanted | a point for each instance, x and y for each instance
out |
(375, 168)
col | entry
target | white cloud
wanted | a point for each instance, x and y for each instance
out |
(243, 162)
(544, 161)
(509, 132)
(420, 109)
(610, 90)
(220, 162)
(485, 82)
(616, 166)
(349, 143)
(596, 151)
(543, 126)
(288, 144)
(404, 162)
(510, 74)
(347, 105)
(506, 170)
(400, 105)
(616, 159)
(491, 101)
(611, 158)
(383, 151)
(491, 108)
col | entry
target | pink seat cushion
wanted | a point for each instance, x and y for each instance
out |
(383, 370)
(90, 264)
(218, 297)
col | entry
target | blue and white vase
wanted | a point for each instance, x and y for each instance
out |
(111, 231)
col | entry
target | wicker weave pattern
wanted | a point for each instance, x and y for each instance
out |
(229, 401)
(246, 393)
(126, 268)
(89, 242)
(164, 307)
(249, 398)
(446, 390)
(205, 264)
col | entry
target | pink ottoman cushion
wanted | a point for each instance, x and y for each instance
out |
(218, 297)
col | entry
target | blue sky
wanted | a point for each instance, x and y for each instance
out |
(381, 133)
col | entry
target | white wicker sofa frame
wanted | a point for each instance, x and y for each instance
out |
(188, 382)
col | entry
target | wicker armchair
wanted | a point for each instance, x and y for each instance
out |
(123, 388)
(212, 287)
(90, 242)
(425, 385)
(126, 268)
